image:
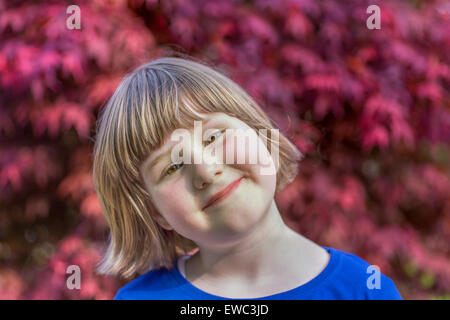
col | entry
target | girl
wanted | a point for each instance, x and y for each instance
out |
(207, 229)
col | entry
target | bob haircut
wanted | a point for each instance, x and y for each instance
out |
(149, 103)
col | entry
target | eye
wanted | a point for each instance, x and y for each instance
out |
(214, 136)
(172, 169)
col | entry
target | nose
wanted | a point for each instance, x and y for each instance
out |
(204, 174)
(203, 171)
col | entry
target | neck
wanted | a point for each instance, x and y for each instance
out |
(269, 247)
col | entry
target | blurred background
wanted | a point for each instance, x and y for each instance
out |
(369, 108)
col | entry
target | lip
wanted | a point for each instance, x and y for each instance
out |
(224, 193)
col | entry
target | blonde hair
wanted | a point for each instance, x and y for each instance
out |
(150, 102)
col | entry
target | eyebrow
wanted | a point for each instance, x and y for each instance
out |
(158, 158)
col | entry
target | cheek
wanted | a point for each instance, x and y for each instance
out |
(172, 202)
(239, 150)
(179, 209)
(251, 155)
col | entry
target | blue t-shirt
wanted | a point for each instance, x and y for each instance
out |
(346, 277)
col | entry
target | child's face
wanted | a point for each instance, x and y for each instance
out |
(181, 193)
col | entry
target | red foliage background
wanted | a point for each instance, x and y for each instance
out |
(369, 109)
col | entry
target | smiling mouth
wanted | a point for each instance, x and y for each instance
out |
(225, 193)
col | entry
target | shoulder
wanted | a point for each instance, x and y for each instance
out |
(146, 286)
(362, 280)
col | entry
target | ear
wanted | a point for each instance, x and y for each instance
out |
(162, 221)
